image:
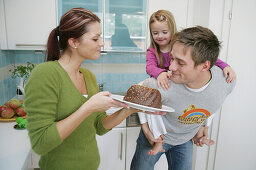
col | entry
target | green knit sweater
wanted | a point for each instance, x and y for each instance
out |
(50, 97)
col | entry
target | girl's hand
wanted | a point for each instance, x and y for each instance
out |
(101, 102)
(163, 80)
(229, 73)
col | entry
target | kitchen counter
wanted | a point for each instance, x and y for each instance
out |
(14, 147)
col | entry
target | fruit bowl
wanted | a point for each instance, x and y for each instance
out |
(11, 110)
(10, 119)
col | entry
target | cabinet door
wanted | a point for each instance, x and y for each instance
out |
(3, 41)
(95, 6)
(35, 159)
(237, 130)
(29, 22)
(132, 135)
(112, 149)
(124, 25)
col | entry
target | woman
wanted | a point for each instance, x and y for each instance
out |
(65, 110)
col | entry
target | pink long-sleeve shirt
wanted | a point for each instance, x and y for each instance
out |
(152, 66)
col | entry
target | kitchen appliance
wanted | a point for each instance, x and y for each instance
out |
(133, 120)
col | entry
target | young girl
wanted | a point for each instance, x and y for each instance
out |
(162, 28)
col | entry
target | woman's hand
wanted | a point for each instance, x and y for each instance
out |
(102, 101)
(163, 80)
(229, 73)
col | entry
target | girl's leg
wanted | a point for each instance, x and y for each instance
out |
(157, 147)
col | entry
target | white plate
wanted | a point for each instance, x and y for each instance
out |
(141, 107)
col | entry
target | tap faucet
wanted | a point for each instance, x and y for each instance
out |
(20, 90)
(101, 86)
(20, 87)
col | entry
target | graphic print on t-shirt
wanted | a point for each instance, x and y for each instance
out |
(193, 115)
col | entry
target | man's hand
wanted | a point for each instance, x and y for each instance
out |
(201, 137)
(198, 135)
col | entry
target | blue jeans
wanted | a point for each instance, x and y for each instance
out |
(179, 157)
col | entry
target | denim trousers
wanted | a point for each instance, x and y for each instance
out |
(179, 157)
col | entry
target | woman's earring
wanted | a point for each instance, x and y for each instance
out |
(75, 46)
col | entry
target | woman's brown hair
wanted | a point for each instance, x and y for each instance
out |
(73, 24)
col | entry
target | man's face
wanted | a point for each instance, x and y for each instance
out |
(183, 67)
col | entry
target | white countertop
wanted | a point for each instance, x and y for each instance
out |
(14, 147)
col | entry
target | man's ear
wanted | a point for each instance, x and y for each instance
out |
(72, 42)
(206, 65)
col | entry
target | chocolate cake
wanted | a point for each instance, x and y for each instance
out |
(144, 96)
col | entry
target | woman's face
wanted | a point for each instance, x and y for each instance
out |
(89, 44)
(161, 33)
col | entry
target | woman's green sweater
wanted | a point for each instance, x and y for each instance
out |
(50, 97)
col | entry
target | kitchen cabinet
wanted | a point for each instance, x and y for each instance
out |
(28, 23)
(3, 41)
(124, 23)
(132, 136)
(34, 159)
(14, 148)
(117, 148)
(112, 149)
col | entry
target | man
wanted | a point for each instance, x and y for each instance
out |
(198, 89)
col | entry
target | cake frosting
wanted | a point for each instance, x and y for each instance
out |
(144, 96)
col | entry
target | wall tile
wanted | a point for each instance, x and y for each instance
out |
(115, 82)
(7, 84)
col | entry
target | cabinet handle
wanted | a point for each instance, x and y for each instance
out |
(121, 149)
(30, 45)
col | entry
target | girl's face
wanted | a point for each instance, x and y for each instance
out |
(161, 33)
(89, 45)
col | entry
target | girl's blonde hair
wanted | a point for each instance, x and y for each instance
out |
(162, 16)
